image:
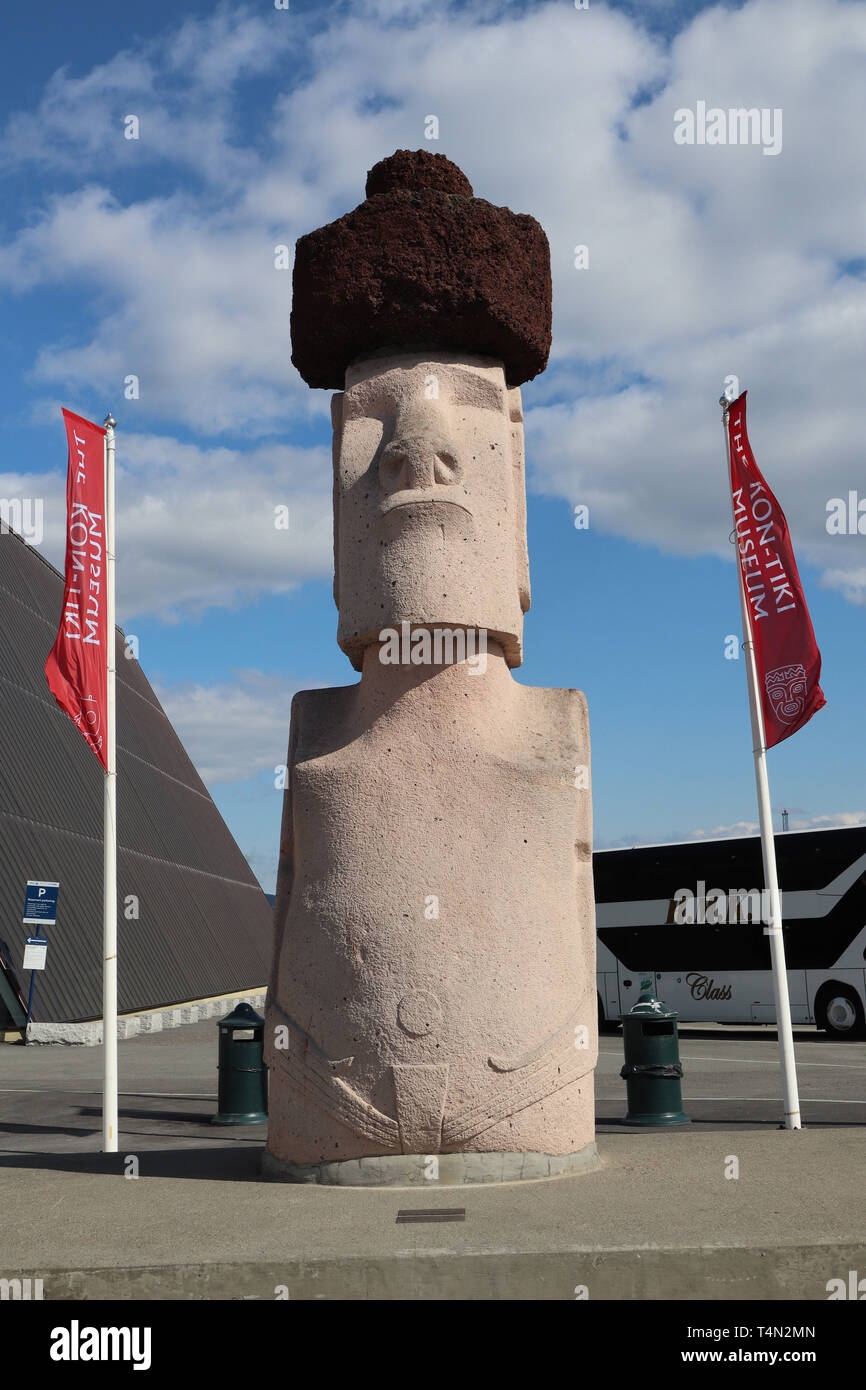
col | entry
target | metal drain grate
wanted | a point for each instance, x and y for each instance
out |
(407, 1214)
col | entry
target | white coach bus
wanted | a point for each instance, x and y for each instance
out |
(694, 914)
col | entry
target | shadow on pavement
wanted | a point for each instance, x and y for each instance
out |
(228, 1163)
(758, 1033)
(188, 1117)
(617, 1125)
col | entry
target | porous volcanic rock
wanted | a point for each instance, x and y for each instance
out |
(421, 264)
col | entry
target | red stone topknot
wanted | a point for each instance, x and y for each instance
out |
(421, 265)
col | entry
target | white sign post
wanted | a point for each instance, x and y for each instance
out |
(35, 953)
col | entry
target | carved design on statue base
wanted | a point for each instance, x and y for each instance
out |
(309, 1070)
(421, 1126)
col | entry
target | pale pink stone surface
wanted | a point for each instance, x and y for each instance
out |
(456, 555)
(435, 936)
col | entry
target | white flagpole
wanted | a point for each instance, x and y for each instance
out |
(109, 901)
(768, 844)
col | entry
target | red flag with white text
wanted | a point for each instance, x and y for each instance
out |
(76, 668)
(787, 655)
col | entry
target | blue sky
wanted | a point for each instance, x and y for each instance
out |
(155, 257)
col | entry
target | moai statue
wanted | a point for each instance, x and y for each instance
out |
(433, 985)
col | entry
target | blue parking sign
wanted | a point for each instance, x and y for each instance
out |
(40, 903)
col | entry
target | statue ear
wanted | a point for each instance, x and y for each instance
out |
(518, 477)
(336, 444)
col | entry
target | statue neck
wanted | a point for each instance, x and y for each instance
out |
(463, 684)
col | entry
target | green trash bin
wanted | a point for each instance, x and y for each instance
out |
(242, 1097)
(652, 1071)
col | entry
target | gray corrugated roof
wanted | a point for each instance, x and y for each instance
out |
(205, 925)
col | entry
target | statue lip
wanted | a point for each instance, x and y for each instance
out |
(409, 497)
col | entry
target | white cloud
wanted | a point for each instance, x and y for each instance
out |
(194, 308)
(235, 729)
(851, 583)
(726, 832)
(801, 821)
(179, 86)
(740, 829)
(834, 820)
(196, 528)
(740, 273)
(703, 260)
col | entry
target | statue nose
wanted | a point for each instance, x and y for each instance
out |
(418, 461)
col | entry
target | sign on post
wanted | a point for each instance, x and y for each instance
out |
(35, 951)
(40, 903)
(40, 909)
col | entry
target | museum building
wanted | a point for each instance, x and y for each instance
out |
(193, 921)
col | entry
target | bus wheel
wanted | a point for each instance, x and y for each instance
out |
(839, 1012)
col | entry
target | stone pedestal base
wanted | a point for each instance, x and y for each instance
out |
(430, 1171)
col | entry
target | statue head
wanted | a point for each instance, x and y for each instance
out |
(429, 499)
(429, 307)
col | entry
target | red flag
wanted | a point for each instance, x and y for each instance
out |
(787, 656)
(77, 663)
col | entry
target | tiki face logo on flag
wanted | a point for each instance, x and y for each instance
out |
(787, 656)
(786, 690)
(76, 665)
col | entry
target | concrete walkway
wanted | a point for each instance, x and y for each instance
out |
(660, 1218)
